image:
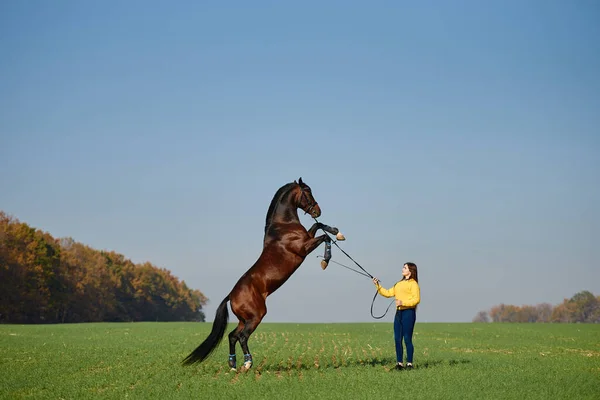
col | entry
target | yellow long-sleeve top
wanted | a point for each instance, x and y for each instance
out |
(406, 290)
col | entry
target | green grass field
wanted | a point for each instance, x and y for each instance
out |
(329, 361)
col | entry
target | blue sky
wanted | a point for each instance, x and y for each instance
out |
(463, 136)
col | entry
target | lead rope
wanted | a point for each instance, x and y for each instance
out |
(365, 273)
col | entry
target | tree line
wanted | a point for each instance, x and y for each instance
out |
(48, 280)
(582, 307)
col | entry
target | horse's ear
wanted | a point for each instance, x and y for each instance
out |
(300, 180)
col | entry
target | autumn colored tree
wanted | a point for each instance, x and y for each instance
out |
(47, 280)
(585, 307)
(563, 312)
(482, 316)
(29, 273)
(582, 307)
(544, 312)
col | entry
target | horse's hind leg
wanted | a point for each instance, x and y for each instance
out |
(233, 339)
(250, 308)
(244, 335)
(252, 317)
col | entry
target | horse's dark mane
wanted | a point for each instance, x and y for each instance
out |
(282, 190)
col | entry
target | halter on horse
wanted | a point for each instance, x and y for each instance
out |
(286, 245)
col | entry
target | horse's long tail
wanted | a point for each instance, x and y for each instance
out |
(214, 338)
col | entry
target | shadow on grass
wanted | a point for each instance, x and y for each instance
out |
(387, 363)
(440, 363)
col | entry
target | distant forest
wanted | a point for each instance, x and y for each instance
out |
(582, 307)
(48, 280)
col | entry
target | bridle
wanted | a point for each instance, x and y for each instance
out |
(304, 196)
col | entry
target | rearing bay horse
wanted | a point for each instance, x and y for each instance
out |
(286, 245)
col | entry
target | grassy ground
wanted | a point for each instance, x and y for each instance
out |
(329, 361)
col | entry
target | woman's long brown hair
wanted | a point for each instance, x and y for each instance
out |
(412, 267)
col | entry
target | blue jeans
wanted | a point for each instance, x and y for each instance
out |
(404, 324)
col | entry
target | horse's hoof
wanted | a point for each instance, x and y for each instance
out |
(340, 237)
(247, 366)
(233, 370)
(324, 264)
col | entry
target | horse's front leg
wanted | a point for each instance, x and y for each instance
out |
(314, 243)
(326, 256)
(334, 231)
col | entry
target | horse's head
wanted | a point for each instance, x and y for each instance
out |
(306, 201)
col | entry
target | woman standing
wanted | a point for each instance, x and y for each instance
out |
(408, 295)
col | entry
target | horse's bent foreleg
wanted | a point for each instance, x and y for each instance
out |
(313, 243)
(317, 225)
(330, 229)
(326, 256)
